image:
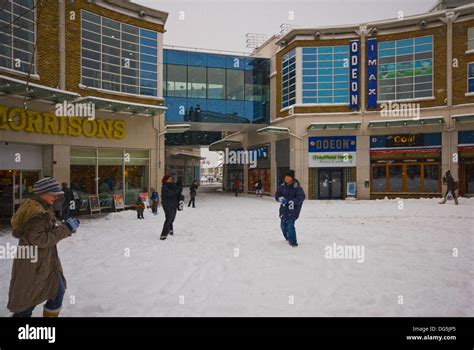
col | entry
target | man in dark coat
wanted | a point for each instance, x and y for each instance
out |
(68, 197)
(451, 187)
(170, 198)
(192, 193)
(291, 196)
(34, 281)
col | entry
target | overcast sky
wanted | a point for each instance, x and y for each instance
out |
(222, 24)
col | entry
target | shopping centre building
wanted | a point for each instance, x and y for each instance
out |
(89, 95)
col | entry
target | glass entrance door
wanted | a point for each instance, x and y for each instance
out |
(16, 186)
(330, 183)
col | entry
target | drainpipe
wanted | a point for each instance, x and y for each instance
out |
(62, 44)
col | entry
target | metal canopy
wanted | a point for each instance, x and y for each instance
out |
(276, 130)
(221, 145)
(115, 106)
(15, 87)
(334, 126)
(463, 118)
(406, 122)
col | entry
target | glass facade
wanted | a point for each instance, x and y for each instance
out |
(17, 35)
(192, 138)
(325, 74)
(470, 77)
(118, 57)
(288, 79)
(205, 87)
(105, 172)
(405, 69)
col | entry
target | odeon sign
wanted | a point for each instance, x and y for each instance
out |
(17, 119)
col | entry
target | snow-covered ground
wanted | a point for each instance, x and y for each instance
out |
(228, 258)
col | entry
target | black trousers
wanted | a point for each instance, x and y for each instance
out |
(193, 201)
(170, 215)
(140, 214)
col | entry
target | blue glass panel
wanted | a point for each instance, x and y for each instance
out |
(323, 64)
(310, 100)
(324, 93)
(309, 58)
(309, 79)
(338, 78)
(324, 50)
(197, 59)
(405, 50)
(149, 67)
(423, 40)
(341, 49)
(216, 110)
(197, 110)
(324, 78)
(309, 72)
(386, 45)
(471, 85)
(325, 100)
(309, 86)
(235, 62)
(148, 50)
(177, 108)
(309, 93)
(309, 50)
(147, 83)
(176, 57)
(325, 57)
(148, 34)
(341, 99)
(342, 92)
(149, 59)
(404, 42)
(309, 64)
(147, 91)
(235, 111)
(148, 75)
(423, 48)
(148, 42)
(341, 56)
(387, 53)
(215, 61)
(325, 86)
(342, 85)
(471, 70)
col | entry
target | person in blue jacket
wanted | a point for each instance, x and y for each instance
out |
(290, 194)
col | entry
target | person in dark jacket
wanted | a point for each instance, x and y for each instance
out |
(236, 186)
(170, 198)
(140, 205)
(259, 188)
(154, 201)
(192, 193)
(451, 187)
(291, 196)
(68, 197)
(40, 277)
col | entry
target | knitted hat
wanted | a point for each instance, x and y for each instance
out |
(165, 178)
(47, 185)
(290, 173)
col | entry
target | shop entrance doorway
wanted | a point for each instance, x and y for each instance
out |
(330, 183)
(16, 186)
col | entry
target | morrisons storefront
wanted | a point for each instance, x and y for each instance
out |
(115, 155)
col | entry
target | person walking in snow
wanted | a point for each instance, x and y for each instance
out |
(34, 281)
(452, 185)
(170, 198)
(192, 193)
(236, 186)
(259, 188)
(154, 201)
(291, 196)
(140, 205)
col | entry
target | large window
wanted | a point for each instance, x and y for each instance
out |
(17, 35)
(216, 83)
(197, 82)
(405, 69)
(326, 74)
(177, 79)
(235, 84)
(288, 79)
(105, 172)
(470, 77)
(470, 39)
(118, 57)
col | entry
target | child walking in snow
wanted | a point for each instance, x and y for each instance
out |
(140, 205)
(154, 201)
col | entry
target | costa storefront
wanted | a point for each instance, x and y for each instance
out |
(405, 165)
(332, 166)
(466, 163)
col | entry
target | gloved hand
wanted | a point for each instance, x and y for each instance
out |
(72, 224)
(283, 200)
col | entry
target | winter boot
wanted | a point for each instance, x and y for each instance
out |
(443, 201)
(51, 313)
(163, 237)
(170, 233)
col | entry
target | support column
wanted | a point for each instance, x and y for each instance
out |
(62, 163)
(363, 166)
(273, 167)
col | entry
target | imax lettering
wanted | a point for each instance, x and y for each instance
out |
(37, 333)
